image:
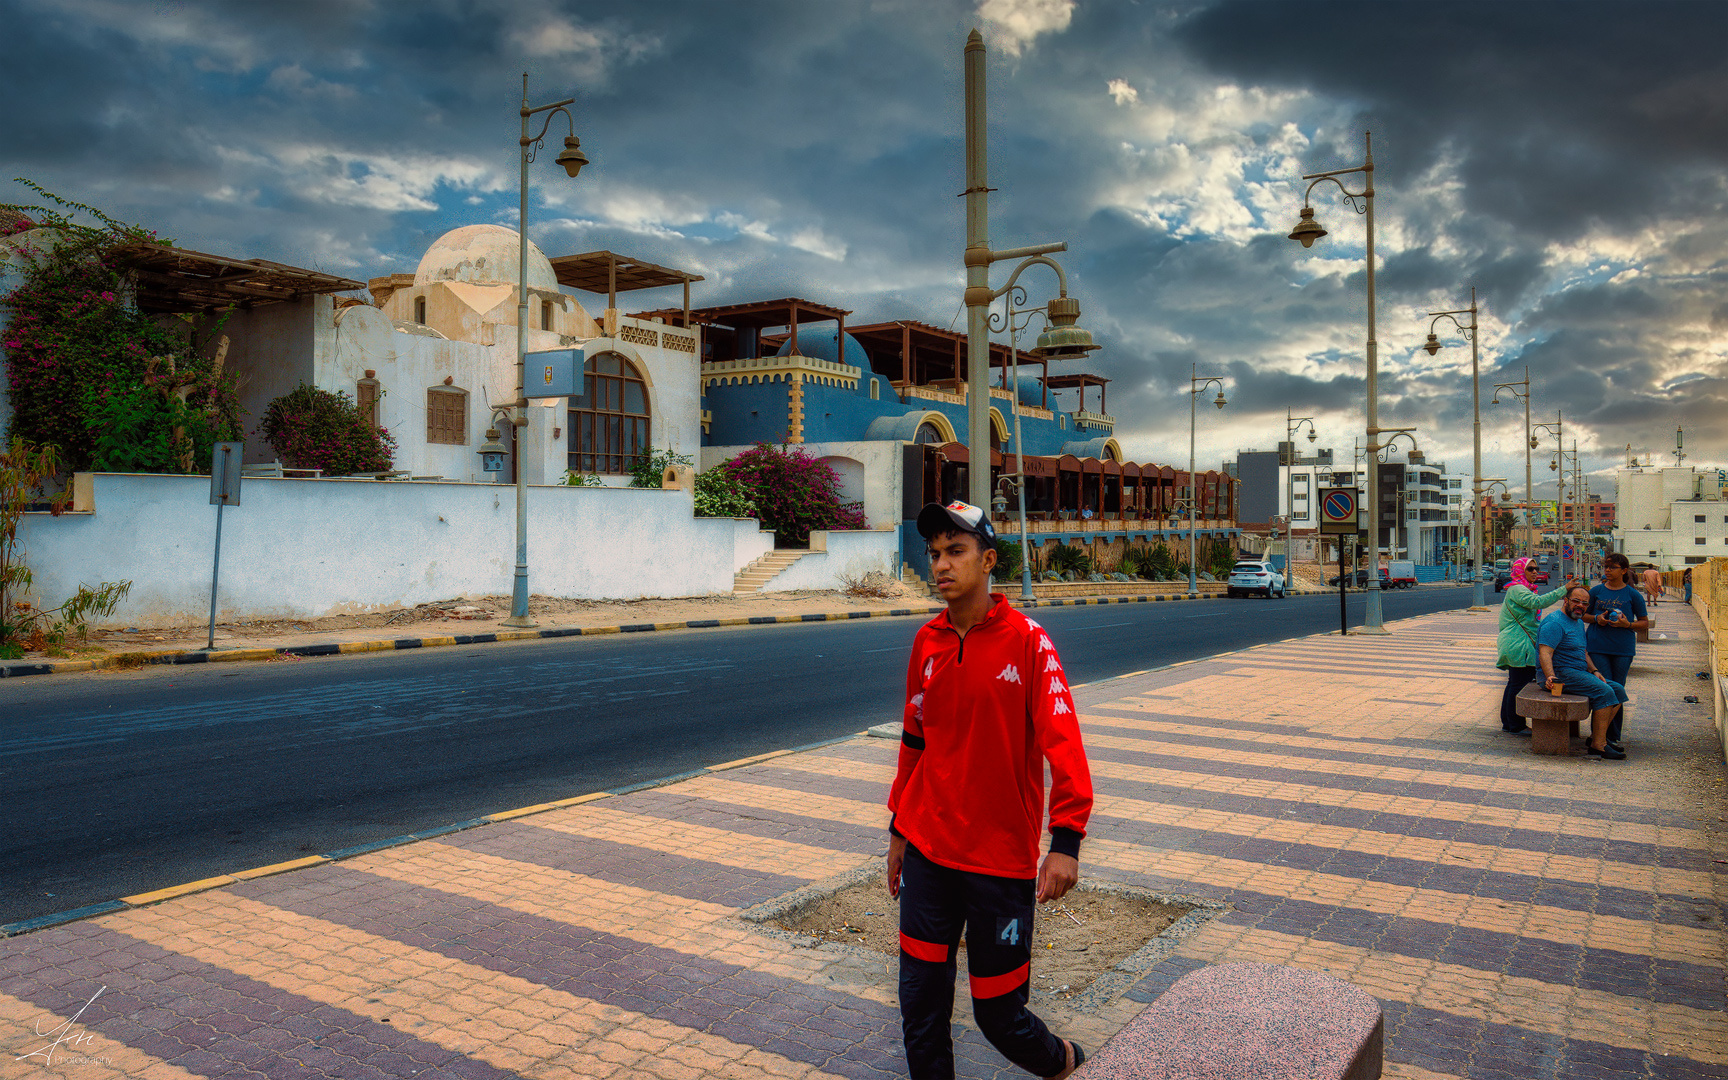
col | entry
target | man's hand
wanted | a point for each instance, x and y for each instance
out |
(896, 859)
(1056, 876)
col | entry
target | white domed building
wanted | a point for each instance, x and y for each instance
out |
(437, 348)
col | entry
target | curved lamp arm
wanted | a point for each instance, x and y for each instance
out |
(1061, 278)
(1355, 200)
(532, 146)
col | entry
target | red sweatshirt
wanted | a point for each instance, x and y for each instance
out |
(983, 714)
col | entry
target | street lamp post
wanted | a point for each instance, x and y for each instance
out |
(1478, 602)
(572, 159)
(1196, 387)
(1064, 339)
(1307, 231)
(1558, 430)
(1018, 478)
(1520, 391)
(1293, 424)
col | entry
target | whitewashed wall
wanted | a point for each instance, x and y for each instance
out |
(842, 554)
(297, 548)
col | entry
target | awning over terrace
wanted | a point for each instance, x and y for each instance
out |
(173, 279)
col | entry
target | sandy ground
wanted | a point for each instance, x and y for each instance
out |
(476, 616)
(1073, 940)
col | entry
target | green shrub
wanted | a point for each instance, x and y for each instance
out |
(720, 494)
(1008, 560)
(572, 478)
(649, 470)
(793, 492)
(1069, 560)
(105, 385)
(313, 428)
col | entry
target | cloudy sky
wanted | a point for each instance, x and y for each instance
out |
(1565, 158)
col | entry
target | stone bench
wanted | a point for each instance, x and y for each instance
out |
(1644, 634)
(1241, 1021)
(1553, 719)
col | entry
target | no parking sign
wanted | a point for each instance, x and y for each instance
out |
(1338, 510)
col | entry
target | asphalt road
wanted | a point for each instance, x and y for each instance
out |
(124, 782)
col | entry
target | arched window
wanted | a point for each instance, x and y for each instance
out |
(609, 422)
(927, 433)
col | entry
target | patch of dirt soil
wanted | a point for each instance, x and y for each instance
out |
(1074, 940)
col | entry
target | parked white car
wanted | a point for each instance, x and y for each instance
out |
(1248, 578)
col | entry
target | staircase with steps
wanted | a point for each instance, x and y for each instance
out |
(917, 585)
(763, 570)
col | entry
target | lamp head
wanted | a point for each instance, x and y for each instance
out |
(1532, 442)
(1433, 345)
(572, 157)
(492, 452)
(1307, 230)
(1219, 400)
(1312, 436)
(1063, 340)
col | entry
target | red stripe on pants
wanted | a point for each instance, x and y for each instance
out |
(989, 986)
(923, 950)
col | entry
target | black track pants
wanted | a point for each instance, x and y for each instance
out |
(936, 903)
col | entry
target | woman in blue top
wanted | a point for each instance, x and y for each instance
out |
(1615, 616)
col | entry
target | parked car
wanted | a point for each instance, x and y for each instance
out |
(1538, 577)
(1400, 574)
(1247, 578)
(1502, 578)
(1359, 580)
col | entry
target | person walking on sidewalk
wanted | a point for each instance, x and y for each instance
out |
(1653, 584)
(1519, 610)
(987, 704)
(1565, 659)
(1615, 616)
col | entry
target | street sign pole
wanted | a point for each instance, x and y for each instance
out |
(224, 491)
(1338, 510)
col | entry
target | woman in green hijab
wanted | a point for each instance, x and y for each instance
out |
(1519, 610)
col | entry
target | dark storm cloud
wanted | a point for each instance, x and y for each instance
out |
(790, 148)
(1563, 114)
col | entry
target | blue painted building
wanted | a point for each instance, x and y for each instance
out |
(885, 404)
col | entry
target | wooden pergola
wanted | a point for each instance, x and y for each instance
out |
(912, 353)
(753, 318)
(1082, 381)
(179, 280)
(610, 273)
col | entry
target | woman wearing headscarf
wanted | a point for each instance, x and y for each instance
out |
(1519, 609)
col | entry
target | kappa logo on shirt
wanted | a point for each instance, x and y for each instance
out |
(1056, 687)
(1052, 664)
(1010, 673)
(1044, 643)
(1061, 707)
(1034, 624)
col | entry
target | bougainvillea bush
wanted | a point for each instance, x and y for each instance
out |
(793, 492)
(107, 386)
(310, 428)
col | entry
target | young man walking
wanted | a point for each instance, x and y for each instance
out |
(987, 705)
(1564, 657)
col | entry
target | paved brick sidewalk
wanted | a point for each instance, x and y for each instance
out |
(1352, 801)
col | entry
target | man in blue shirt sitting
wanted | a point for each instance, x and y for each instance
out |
(1564, 658)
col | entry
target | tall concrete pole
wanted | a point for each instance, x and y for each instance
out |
(519, 418)
(1529, 485)
(1478, 602)
(977, 280)
(1373, 620)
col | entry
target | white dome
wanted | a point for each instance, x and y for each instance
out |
(483, 255)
